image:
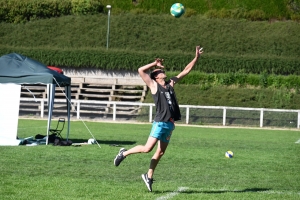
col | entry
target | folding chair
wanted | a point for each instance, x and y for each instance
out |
(59, 127)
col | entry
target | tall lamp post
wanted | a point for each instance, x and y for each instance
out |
(108, 16)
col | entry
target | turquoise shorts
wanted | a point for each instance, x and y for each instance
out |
(162, 130)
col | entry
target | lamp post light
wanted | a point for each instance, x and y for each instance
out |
(108, 16)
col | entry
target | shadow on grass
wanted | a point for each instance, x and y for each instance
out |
(215, 191)
(116, 143)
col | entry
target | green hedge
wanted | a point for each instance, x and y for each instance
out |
(253, 97)
(16, 11)
(230, 46)
(131, 60)
(263, 80)
(202, 73)
(249, 9)
(157, 32)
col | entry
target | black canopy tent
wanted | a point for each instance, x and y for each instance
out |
(21, 70)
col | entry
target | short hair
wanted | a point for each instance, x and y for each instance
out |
(155, 72)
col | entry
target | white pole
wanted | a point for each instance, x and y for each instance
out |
(42, 108)
(261, 123)
(224, 116)
(78, 109)
(187, 115)
(108, 16)
(150, 113)
(69, 104)
(51, 96)
(114, 111)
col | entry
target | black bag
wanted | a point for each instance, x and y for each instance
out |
(58, 142)
(39, 136)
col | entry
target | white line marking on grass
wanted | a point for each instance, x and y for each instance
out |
(279, 192)
(172, 194)
(249, 191)
(298, 141)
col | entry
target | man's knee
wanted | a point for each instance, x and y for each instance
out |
(147, 149)
(161, 153)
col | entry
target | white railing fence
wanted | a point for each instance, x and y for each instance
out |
(217, 115)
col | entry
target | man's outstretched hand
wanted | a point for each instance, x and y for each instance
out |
(159, 62)
(199, 51)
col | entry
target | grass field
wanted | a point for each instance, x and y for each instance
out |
(265, 166)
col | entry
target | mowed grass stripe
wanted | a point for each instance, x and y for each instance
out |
(265, 164)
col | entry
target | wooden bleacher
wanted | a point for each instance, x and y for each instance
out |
(86, 88)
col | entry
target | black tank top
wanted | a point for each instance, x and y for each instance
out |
(166, 104)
